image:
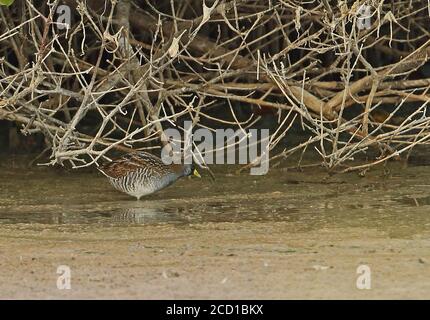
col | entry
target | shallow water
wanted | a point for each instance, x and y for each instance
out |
(310, 220)
(397, 202)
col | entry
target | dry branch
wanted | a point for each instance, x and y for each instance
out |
(124, 71)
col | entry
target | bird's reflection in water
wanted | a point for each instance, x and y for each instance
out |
(148, 215)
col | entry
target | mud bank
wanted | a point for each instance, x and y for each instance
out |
(284, 235)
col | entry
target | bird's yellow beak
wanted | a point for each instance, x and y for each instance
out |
(195, 173)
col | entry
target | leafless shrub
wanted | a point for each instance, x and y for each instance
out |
(123, 71)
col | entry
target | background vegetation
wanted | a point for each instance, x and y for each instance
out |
(352, 75)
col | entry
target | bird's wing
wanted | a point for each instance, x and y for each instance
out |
(147, 158)
(132, 162)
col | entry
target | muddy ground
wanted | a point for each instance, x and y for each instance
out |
(288, 234)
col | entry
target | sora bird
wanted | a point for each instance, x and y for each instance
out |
(141, 173)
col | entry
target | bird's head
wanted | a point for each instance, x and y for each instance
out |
(189, 169)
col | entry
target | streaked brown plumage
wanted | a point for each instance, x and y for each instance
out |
(141, 173)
